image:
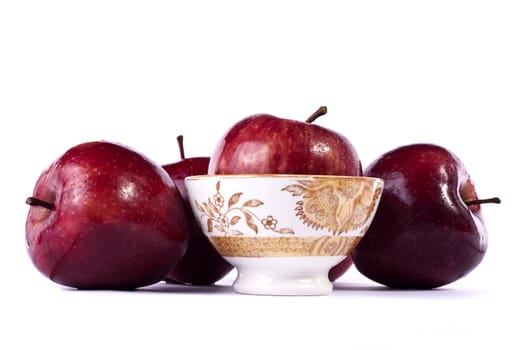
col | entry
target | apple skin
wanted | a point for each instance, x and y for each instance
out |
(423, 235)
(340, 269)
(265, 144)
(201, 264)
(117, 219)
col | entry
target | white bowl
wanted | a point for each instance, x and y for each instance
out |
(283, 233)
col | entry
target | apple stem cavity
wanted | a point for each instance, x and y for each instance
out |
(495, 200)
(39, 203)
(180, 141)
(320, 111)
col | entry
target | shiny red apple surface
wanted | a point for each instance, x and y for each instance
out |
(104, 216)
(428, 230)
(265, 144)
(340, 269)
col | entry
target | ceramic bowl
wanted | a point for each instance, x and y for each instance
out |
(283, 233)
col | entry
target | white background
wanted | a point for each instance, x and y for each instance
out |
(142, 72)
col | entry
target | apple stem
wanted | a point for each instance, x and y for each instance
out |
(320, 111)
(180, 140)
(39, 203)
(483, 201)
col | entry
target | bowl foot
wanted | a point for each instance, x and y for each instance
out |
(284, 275)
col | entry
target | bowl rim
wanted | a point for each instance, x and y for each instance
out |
(279, 176)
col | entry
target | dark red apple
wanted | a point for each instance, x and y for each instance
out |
(263, 143)
(104, 216)
(428, 230)
(340, 269)
(201, 264)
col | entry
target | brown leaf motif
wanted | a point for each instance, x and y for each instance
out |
(235, 219)
(296, 190)
(225, 220)
(252, 203)
(250, 223)
(234, 199)
(285, 231)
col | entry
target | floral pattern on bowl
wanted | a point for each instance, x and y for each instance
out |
(224, 219)
(333, 206)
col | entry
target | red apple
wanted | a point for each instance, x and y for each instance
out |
(428, 230)
(263, 143)
(340, 269)
(201, 264)
(103, 216)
